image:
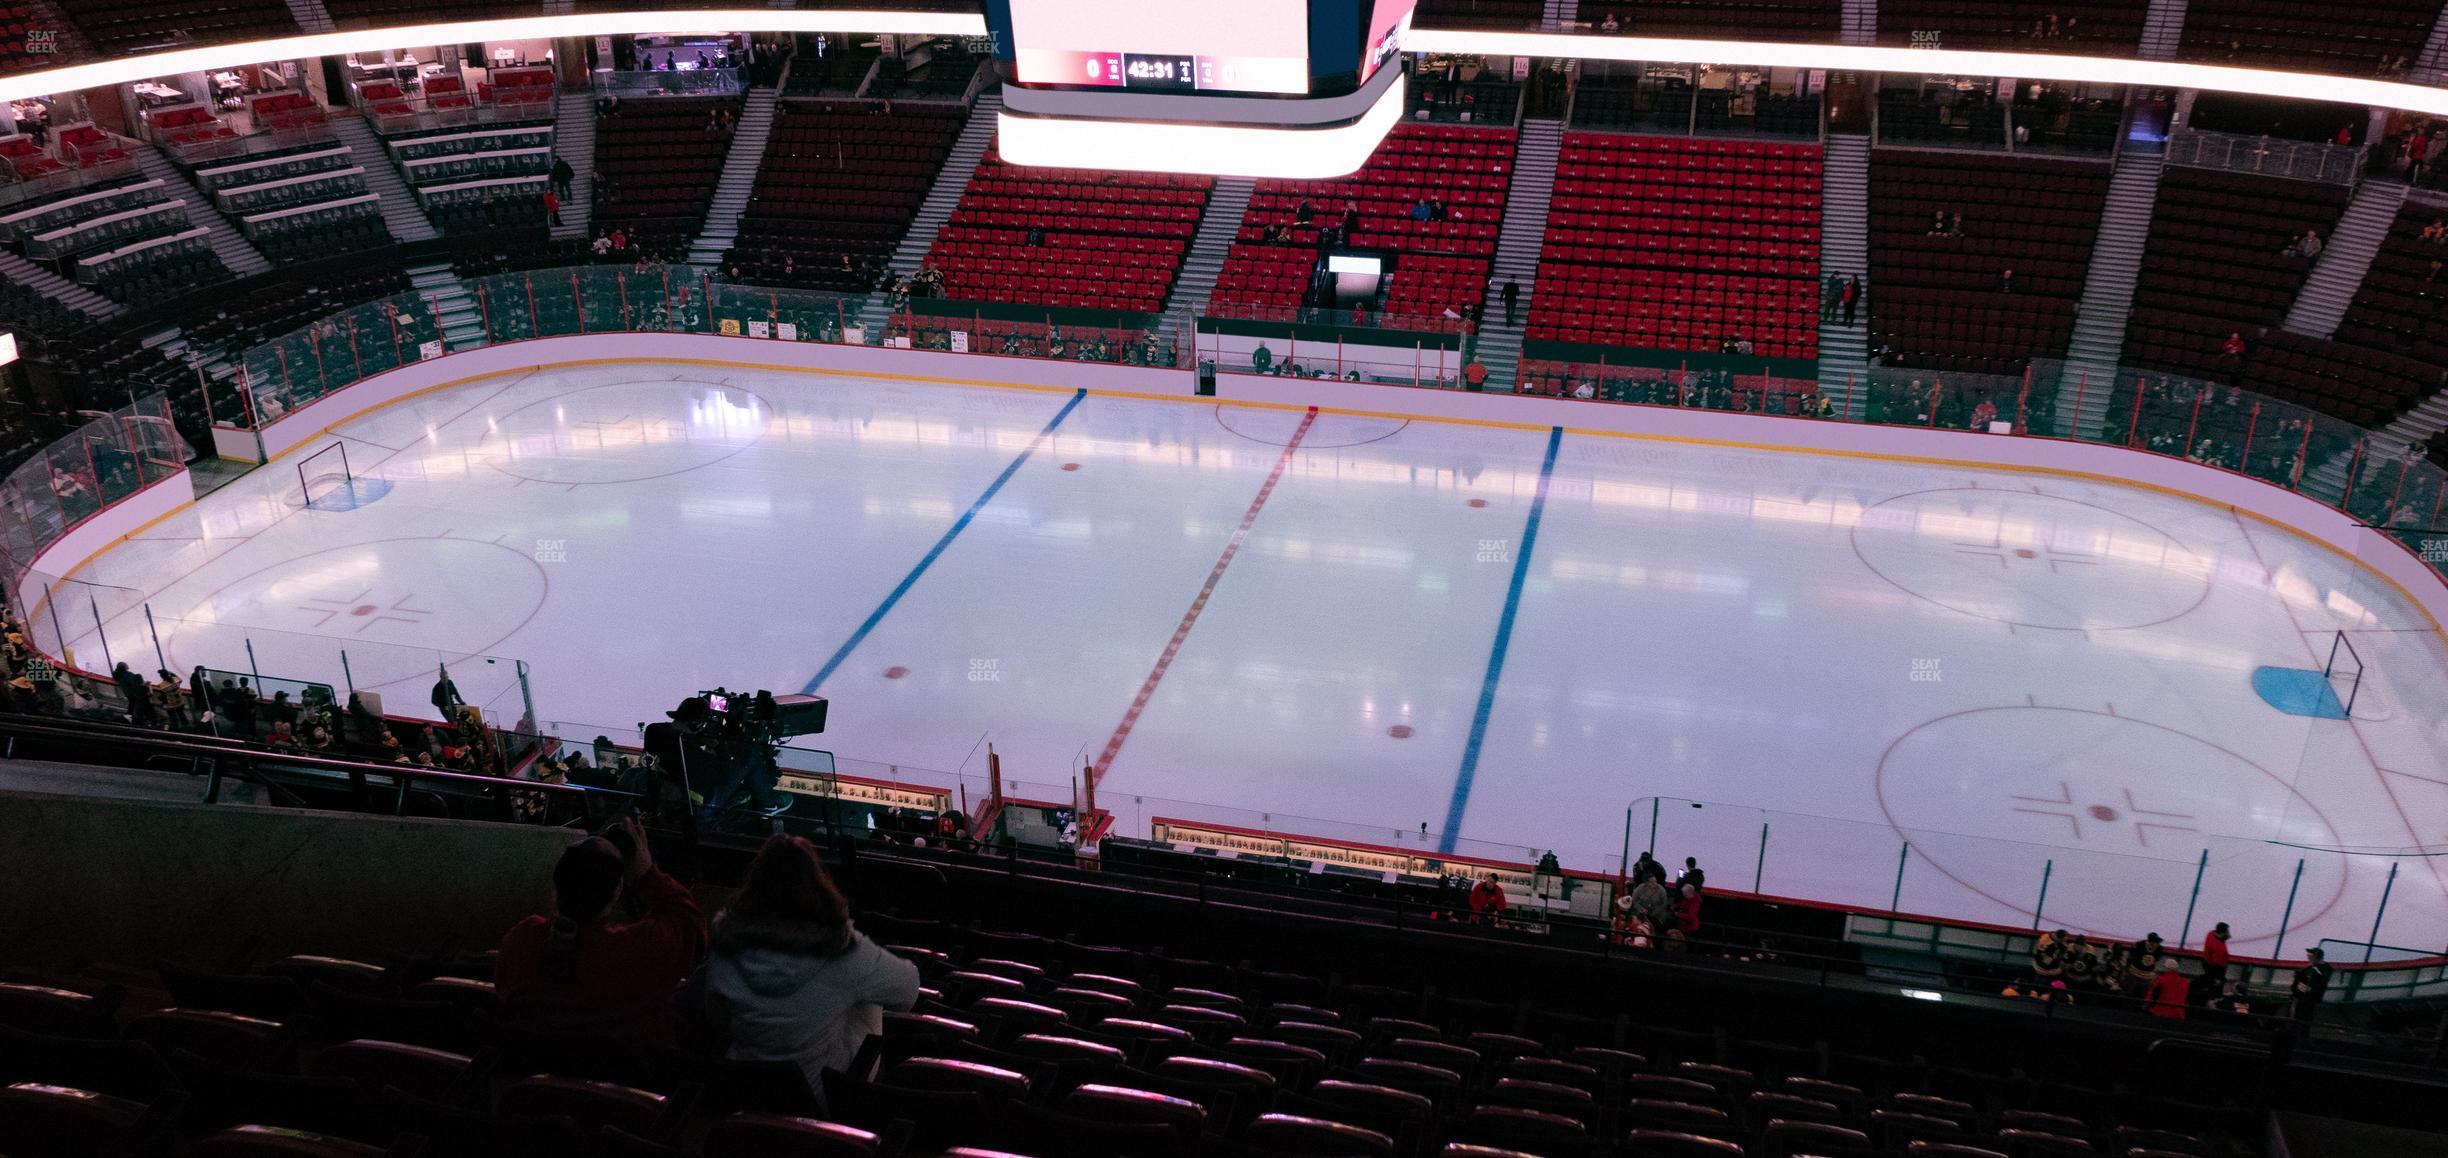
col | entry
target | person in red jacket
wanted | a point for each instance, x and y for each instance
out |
(2168, 993)
(2214, 964)
(582, 970)
(1487, 900)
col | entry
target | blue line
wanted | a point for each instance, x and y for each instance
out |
(928, 560)
(1496, 655)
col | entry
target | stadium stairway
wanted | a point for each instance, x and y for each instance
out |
(1844, 249)
(230, 245)
(959, 165)
(2345, 259)
(2431, 67)
(2108, 287)
(574, 142)
(2416, 426)
(311, 16)
(1558, 15)
(402, 215)
(462, 319)
(2162, 30)
(1194, 285)
(1860, 22)
(721, 225)
(34, 277)
(1517, 249)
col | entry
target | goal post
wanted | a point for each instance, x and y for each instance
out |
(2344, 671)
(324, 471)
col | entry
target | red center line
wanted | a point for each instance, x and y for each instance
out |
(2312, 653)
(1189, 619)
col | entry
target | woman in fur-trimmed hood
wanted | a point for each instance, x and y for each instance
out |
(790, 978)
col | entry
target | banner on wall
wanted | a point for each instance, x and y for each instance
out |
(759, 329)
(960, 341)
(789, 331)
(432, 349)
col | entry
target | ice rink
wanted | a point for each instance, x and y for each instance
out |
(1433, 634)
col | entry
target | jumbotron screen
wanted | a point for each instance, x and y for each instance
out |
(1269, 47)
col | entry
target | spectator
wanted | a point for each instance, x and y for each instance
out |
(237, 704)
(1351, 219)
(2006, 281)
(790, 979)
(2307, 246)
(446, 694)
(2231, 351)
(552, 206)
(138, 697)
(1652, 906)
(562, 176)
(2168, 992)
(1647, 868)
(1487, 900)
(2142, 965)
(1691, 875)
(1512, 298)
(1474, 375)
(583, 971)
(1831, 297)
(1034, 238)
(2081, 962)
(1687, 911)
(1852, 298)
(2311, 982)
(2049, 955)
(1938, 223)
(170, 701)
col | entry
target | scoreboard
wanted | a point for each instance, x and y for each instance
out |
(1287, 88)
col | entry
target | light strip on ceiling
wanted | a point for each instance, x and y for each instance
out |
(208, 58)
(1943, 62)
(1225, 150)
(1866, 58)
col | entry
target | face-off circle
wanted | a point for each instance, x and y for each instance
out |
(396, 606)
(2115, 810)
(626, 431)
(1328, 432)
(2031, 560)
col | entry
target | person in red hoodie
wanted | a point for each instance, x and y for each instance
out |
(2168, 993)
(1487, 900)
(2214, 964)
(582, 970)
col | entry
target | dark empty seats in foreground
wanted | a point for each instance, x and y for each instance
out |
(2215, 264)
(836, 189)
(1942, 302)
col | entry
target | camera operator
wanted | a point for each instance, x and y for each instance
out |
(746, 747)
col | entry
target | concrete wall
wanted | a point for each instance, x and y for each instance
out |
(133, 882)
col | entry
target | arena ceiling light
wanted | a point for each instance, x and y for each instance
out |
(213, 57)
(1943, 62)
(1868, 58)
